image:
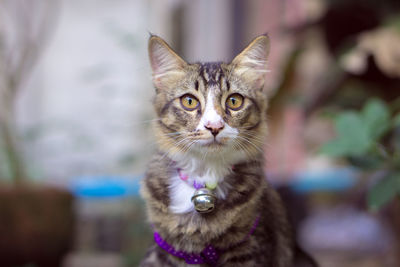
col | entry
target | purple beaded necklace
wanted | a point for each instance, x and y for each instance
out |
(209, 255)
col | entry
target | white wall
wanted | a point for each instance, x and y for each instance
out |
(85, 107)
(208, 30)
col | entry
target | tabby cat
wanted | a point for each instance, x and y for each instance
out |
(207, 197)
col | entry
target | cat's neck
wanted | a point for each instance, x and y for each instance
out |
(208, 167)
(207, 170)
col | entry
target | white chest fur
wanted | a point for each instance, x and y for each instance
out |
(180, 195)
(182, 191)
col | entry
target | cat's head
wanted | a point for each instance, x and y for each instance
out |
(210, 110)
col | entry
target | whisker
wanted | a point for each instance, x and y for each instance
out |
(176, 145)
(241, 147)
(251, 143)
(205, 155)
(254, 138)
(172, 134)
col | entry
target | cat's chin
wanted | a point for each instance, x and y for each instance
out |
(212, 146)
(213, 142)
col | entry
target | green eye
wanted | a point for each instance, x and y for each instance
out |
(234, 101)
(189, 102)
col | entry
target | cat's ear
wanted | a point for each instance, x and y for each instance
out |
(166, 65)
(251, 63)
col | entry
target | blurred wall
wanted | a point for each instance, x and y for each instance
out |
(86, 108)
(208, 30)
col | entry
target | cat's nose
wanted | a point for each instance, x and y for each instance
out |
(214, 127)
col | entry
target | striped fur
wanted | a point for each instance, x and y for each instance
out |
(180, 136)
(270, 245)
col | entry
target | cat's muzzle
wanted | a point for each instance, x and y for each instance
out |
(204, 200)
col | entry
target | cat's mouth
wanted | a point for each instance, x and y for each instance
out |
(213, 142)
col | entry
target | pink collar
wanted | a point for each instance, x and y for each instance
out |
(185, 177)
(196, 185)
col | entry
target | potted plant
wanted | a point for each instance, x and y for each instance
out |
(36, 222)
(369, 140)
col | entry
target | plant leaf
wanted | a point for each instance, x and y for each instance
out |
(352, 140)
(352, 133)
(367, 161)
(335, 148)
(376, 117)
(384, 191)
(396, 120)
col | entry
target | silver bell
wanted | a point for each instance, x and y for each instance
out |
(203, 200)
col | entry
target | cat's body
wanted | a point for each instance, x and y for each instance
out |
(225, 227)
(211, 128)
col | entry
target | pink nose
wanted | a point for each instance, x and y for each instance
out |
(214, 127)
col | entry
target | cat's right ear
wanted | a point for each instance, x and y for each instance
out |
(167, 66)
(251, 63)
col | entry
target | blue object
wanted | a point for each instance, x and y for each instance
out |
(105, 186)
(334, 180)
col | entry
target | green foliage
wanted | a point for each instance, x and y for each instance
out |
(384, 191)
(369, 139)
(376, 118)
(396, 120)
(358, 132)
(352, 137)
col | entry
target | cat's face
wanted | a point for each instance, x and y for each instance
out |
(210, 109)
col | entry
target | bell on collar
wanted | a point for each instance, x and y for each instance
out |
(203, 200)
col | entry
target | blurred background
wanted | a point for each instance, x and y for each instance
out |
(76, 114)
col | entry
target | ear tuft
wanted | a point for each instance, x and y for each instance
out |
(251, 63)
(167, 66)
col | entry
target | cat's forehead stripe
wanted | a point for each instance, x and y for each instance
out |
(211, 73)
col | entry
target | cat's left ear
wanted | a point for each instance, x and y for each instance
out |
(251, 63)
(167, 66)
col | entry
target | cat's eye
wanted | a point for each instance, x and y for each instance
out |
(234, 101)
(189, 102)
